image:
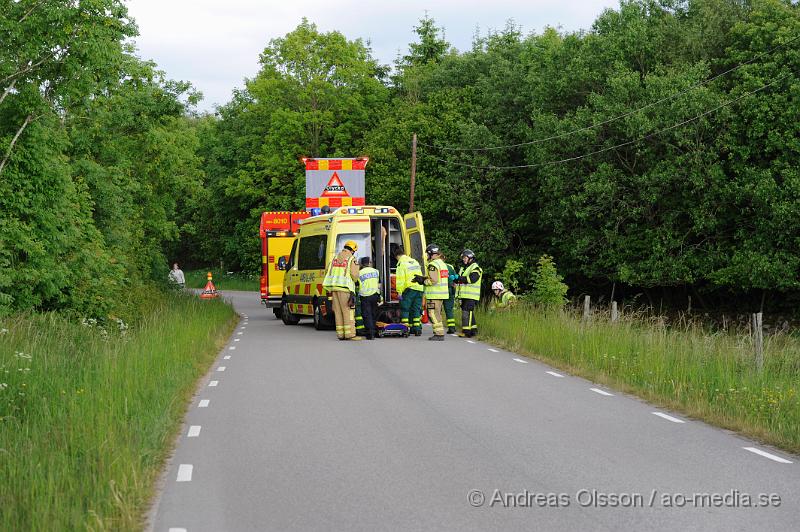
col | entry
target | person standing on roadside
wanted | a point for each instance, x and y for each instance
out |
(409, 291)
(369, 293)
(340, 281)
(436, 290)
(450, 303)
(469, 292)
(176, 276)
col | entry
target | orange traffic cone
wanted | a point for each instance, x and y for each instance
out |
(210, 291)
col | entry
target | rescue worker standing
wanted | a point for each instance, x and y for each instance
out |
(436, 290)
(340, 281)
(503, 298)
(369, 293)
(450, 302)
(410, 291)
(469, 292)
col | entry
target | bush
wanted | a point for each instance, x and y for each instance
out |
(549, 289)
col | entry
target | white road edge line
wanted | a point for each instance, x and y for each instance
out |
(221, 368)
(232, 348)
(602, 392)
(493, 350)
(237, 339)
(554, 374)
(194, 431)
(668, 417)
(765, 454)
(173, 529)
(204, 403)
(239, 333)
(185, 473)
(520, 361)
(213, 383)
(227, 357)
(470, 342)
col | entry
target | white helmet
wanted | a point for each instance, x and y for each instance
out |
(497, 285)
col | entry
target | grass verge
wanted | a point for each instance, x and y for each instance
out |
(88, 413)
(710, 376)
(223, 280)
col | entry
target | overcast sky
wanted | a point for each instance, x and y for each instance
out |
(215, 44)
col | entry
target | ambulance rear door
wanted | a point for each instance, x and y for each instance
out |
(416, 237)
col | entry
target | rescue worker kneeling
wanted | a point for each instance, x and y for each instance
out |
(436, 290)
(409, 290)
(503, 299)
(369, 293)
(340, 281)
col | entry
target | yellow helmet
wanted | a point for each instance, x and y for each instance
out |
(352, 245)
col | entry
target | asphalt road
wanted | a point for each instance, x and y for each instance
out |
(298, 431)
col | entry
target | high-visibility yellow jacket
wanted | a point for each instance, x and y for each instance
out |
(407, 268)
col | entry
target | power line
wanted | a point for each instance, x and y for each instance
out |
(628, 143)
(619, 117)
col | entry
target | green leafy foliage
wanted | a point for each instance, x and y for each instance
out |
(549, 290)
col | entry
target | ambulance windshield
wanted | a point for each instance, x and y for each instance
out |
(362, 239)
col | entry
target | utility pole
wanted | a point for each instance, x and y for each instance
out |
(413, 171)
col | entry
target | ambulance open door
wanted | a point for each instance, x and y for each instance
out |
(416, 238)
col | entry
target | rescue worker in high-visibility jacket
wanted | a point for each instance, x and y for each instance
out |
(340, 281)
(503, 298)
(450, 302)
(369, 292)
(410, 292)
(436, 290)
(468, 290)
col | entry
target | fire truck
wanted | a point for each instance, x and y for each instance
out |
(277, 231)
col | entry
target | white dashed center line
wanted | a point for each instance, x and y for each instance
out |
(520, 361)
(213, 383)
(765, 454)
(669, 418)
(185, 472)
(227, 357)
(601, 392)
(194, 431)
(493, 350)
(554, 374)
(221, 368)
(470, 342)
(204, 403)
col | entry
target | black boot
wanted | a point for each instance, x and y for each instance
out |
(451, 330)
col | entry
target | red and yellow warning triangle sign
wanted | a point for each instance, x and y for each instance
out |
(335, 188)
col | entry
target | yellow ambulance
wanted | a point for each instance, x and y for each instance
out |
(377, 230)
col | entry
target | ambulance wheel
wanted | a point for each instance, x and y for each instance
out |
(287, 317)
(319, 321)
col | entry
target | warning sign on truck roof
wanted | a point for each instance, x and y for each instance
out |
(335, 182)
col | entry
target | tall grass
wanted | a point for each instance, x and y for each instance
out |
(88, 411)
(223, 280)
(705, 374)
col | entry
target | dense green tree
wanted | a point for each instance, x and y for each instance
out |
(316, 95)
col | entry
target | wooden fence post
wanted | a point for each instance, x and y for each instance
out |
(614, 312)
(586, 307)
(758, 340)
